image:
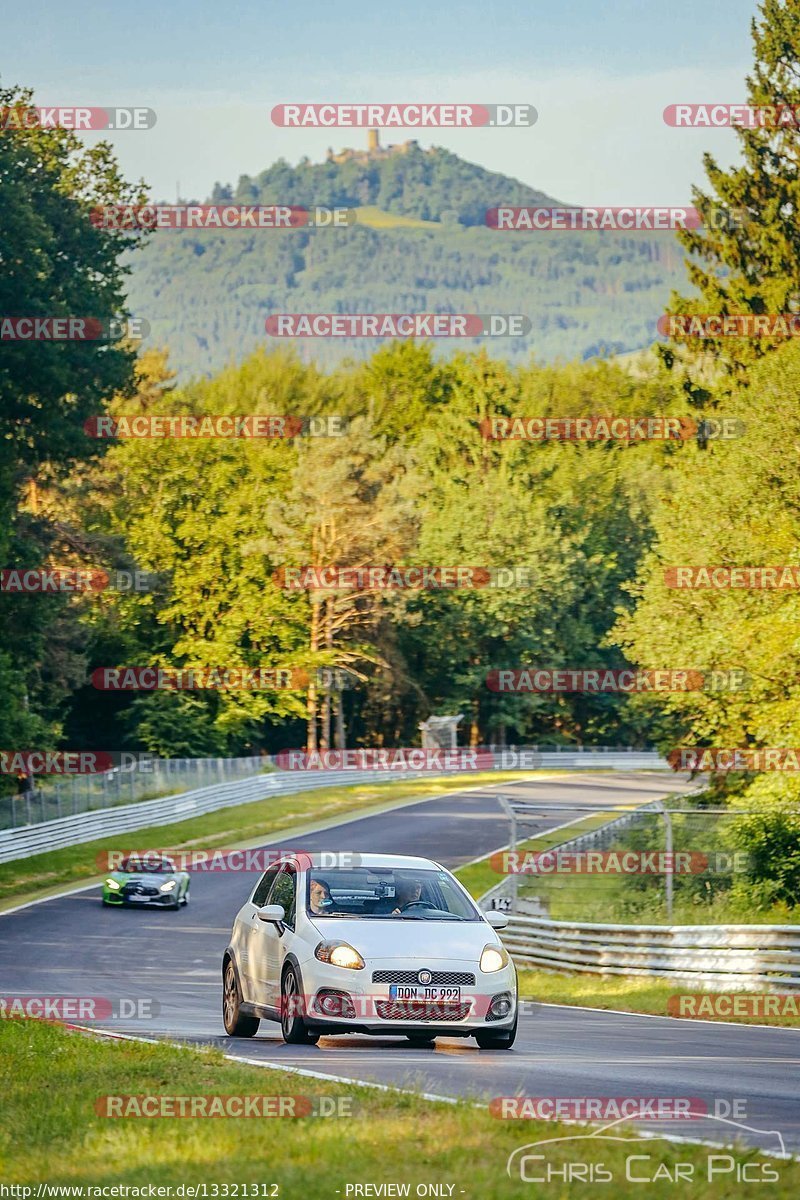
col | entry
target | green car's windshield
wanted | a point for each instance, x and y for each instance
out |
(387, 894)
(154, 866)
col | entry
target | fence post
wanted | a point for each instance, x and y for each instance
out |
(514, 874)
(669, 865)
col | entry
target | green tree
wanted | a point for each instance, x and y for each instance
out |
(53, 263)
(746, 256)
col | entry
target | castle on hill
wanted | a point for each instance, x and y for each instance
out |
(374, 150)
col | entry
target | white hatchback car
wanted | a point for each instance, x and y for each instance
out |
(386, 944)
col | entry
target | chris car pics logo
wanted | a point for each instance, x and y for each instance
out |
(578, 1158)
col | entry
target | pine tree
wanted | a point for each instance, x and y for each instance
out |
(746, 256)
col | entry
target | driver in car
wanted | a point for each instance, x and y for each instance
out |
(408, 891)
(320, 898)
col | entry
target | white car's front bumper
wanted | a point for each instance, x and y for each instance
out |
(337, 999)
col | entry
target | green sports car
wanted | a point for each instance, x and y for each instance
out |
(147, 881)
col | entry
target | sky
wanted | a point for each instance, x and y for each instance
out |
(599, 75)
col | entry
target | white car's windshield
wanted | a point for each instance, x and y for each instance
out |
(387, 894)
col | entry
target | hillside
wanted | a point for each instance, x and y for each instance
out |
(419, 245)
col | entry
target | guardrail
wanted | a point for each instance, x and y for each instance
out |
(147, 814)
(735, 956)
(27, 840)
(138, 777)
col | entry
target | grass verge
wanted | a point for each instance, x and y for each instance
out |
(640, 995)
(51, 1080)
(30, 878)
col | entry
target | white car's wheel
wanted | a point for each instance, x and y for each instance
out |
(293, 1027)
(237, 1023)
(497, 1041)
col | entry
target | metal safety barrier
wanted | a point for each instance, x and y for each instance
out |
(734, 956)
(27, 840)
(87, 827)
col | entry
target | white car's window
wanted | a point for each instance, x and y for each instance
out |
(284, 893)
(388, 894)
(264, 884)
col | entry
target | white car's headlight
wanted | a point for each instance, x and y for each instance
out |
(339, 954)
(112, 885)
(169, 886)
(493, 958)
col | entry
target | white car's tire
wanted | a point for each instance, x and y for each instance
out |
(497, 1041)
(293, 1027)
(237, 1023)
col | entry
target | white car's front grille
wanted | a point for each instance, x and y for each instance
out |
(453, 978)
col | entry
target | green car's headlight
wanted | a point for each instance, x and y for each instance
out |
(169, 886)
(112, 885)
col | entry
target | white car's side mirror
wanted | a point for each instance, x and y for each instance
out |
(273, 913)
(497, 920)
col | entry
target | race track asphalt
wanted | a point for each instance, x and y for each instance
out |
(72, 946)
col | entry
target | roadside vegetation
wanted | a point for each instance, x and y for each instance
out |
(595, 529)
(51, 1132)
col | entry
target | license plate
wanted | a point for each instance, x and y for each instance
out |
(141, 899)
(425, 995)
